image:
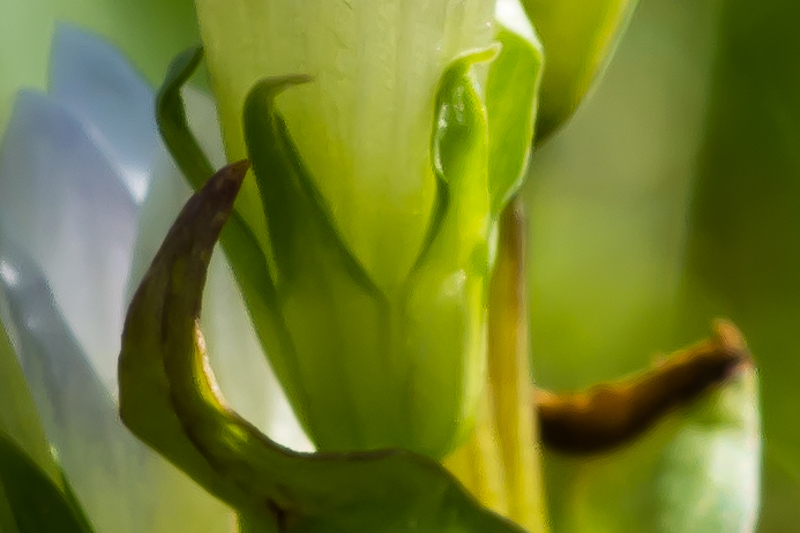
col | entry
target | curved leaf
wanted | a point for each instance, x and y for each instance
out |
(172, 122)
(164, 367)
(36, 503)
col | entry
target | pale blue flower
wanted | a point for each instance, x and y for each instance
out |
(76, 167)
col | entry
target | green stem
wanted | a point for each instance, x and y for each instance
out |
(510, 376)
(500, 462)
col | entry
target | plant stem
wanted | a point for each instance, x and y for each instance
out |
(500, 463)
(510, 376)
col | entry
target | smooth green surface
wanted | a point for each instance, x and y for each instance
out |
(363, 127)
(150, 32)
(170, 399)
(697, 471)
(579, 38)
(608, 199)
(35, 502)
(365, 369)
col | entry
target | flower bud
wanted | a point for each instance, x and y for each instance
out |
(386, 137)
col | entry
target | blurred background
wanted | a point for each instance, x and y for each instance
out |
(672, 197)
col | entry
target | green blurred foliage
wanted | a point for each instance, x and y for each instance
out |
(608, 200)
(673, 197)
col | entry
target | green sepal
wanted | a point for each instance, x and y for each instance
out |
(288, 193)
(459, 140)
(33, 501)
(145, 396)
(332, 316)
(169, 398)
(512, 94)
(579, 38)
(171, 118)
(442, 308)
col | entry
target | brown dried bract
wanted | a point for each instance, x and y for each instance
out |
(611, 415)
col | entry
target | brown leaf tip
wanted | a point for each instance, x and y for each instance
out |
(611, 415)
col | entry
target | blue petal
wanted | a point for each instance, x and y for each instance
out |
(124, 486)
(95, 81)
(63, 202)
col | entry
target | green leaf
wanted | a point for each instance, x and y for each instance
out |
(36, 503)
(696, 471)
(579, 39)
(164, 367)
(171, 118)
(512, 92)
(145, 396)
(19, 419)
